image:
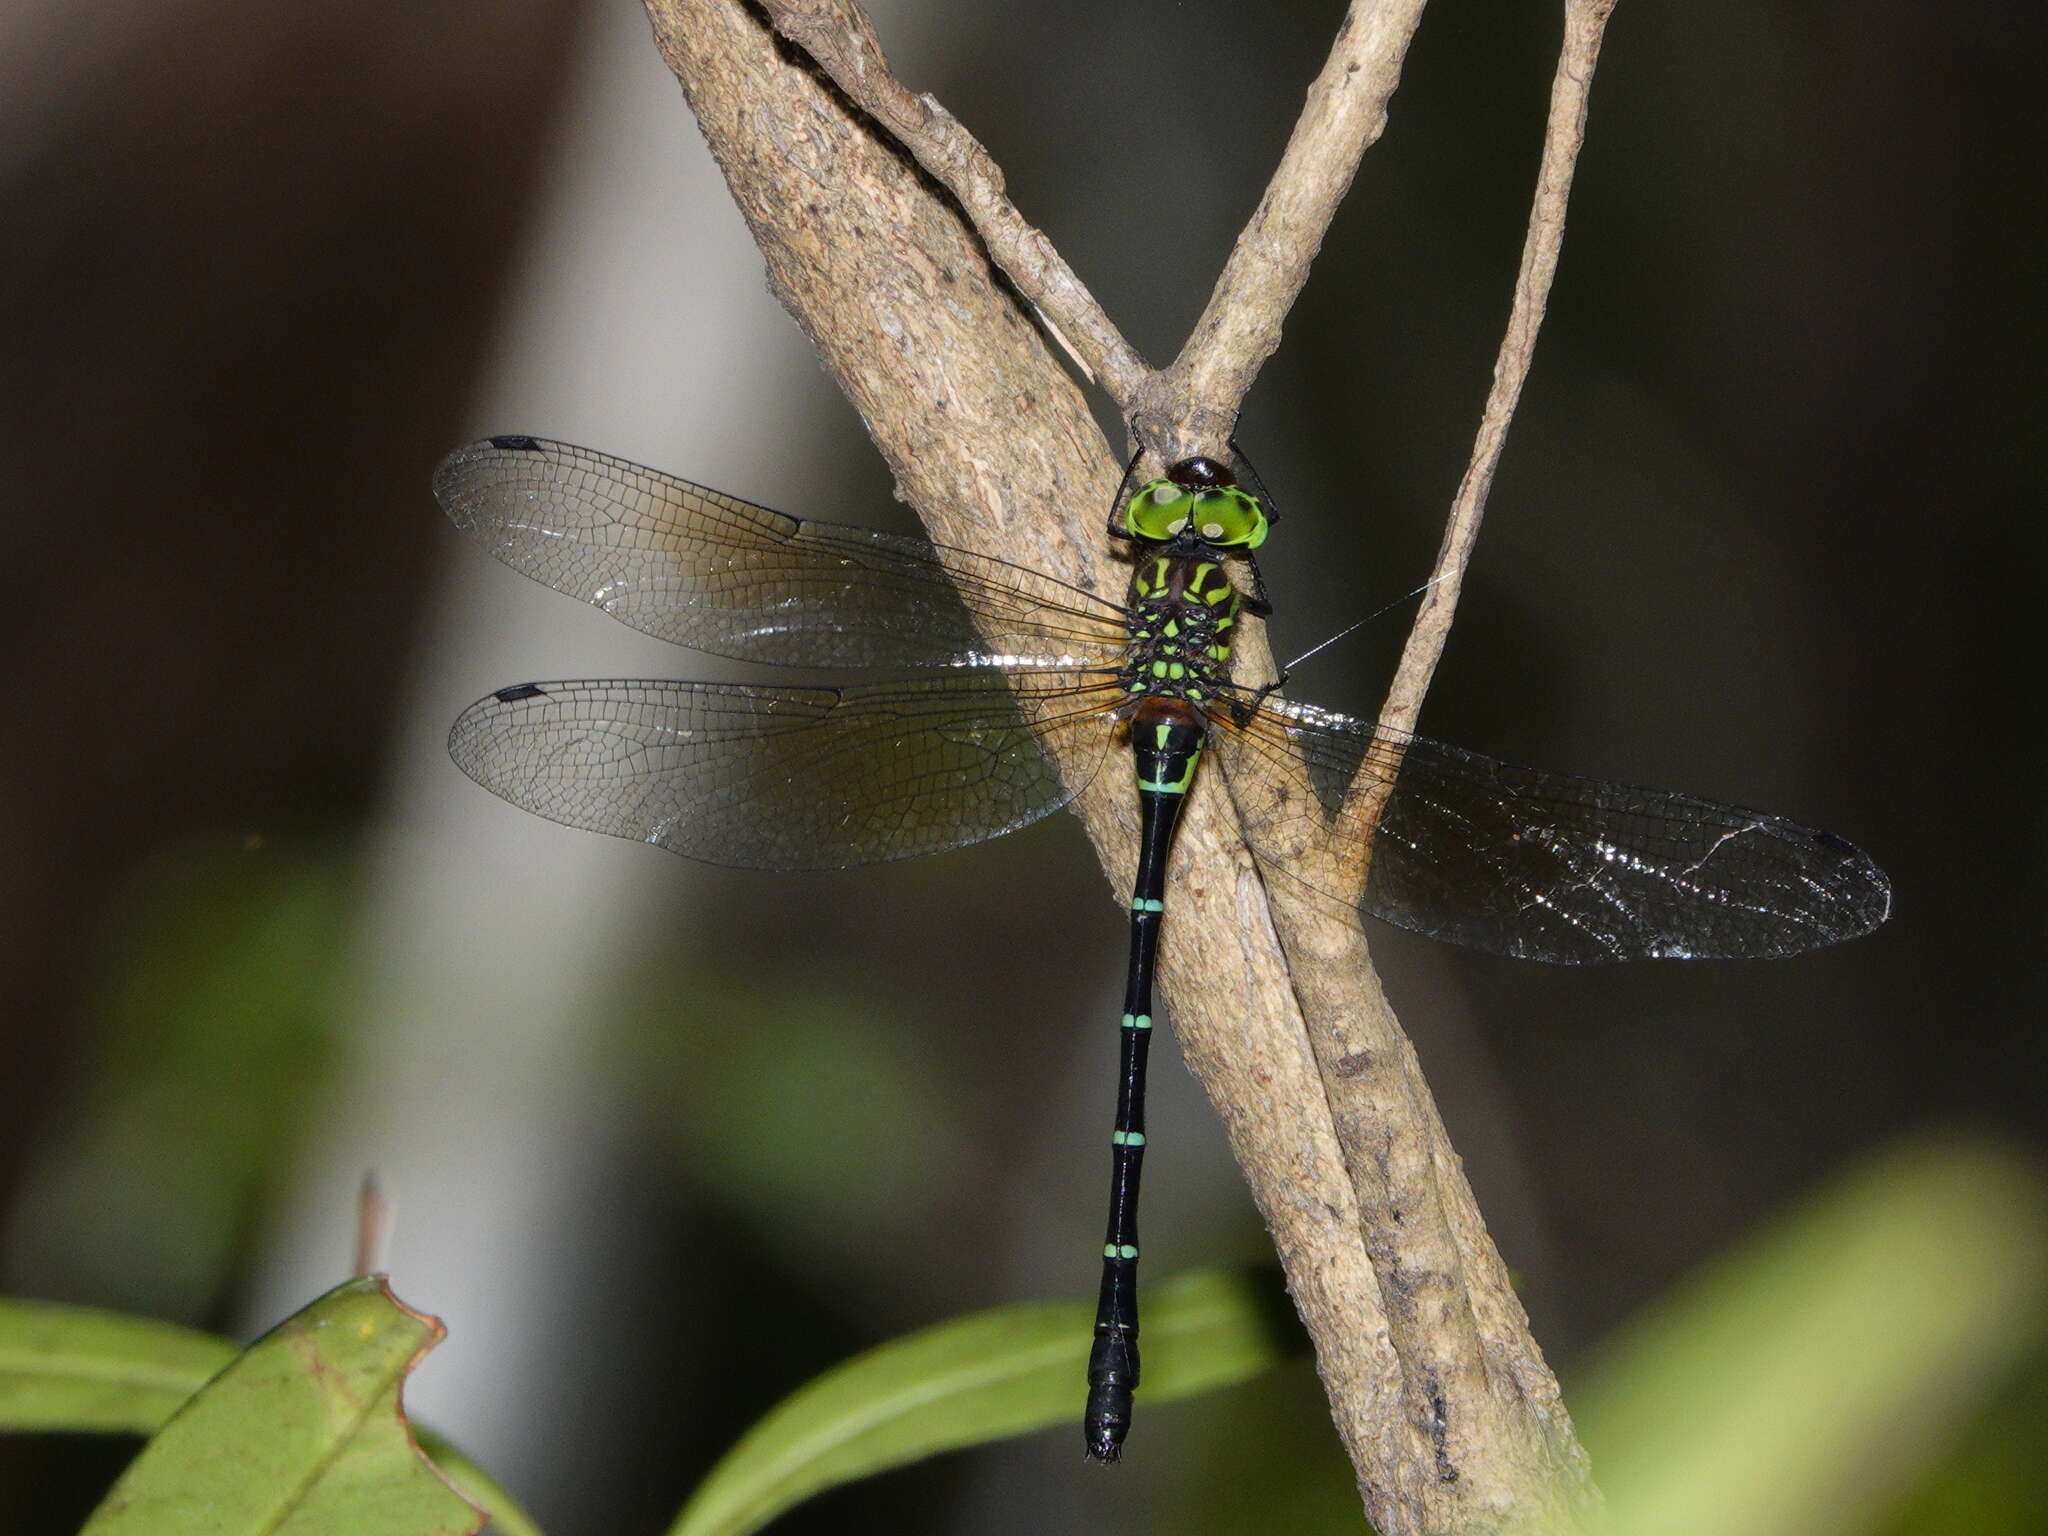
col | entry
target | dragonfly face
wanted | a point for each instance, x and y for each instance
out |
(1197, 501)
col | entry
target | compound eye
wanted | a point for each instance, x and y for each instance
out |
(1231, 519)
(1158, 511)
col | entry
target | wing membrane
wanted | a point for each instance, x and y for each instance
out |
(1551, 866)
(791, 778)
(706, 570)
(1467, 849)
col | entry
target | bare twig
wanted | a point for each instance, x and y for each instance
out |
(1442, 1398)
(1460, 1330)
(1192, 406)
(1345, 113)
(839, 37)
(1585, 22)
(373, 1227)
(989, 439)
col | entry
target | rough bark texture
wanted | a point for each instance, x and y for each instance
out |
(1442, 1398)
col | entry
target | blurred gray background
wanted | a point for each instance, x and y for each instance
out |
(665, 1141)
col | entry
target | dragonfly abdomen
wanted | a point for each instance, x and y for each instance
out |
(1166, 745)
(1181, 610)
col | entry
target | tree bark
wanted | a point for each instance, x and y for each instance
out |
(1442, 1398)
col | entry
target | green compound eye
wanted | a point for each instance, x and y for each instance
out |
(1225, 516)
(1229, 518)
(1158, 511)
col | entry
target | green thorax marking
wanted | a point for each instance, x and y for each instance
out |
(1180, 610)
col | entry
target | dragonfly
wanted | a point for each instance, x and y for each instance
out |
(989, 694)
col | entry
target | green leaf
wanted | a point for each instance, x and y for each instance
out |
(84, 1371)
(982, 1378)
(302, 1434)
(477, 1486)
(75, 1368)
(1801, 1386)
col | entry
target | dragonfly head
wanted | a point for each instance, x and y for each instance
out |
(1198, 500)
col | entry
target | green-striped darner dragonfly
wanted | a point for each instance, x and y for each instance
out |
(996, 692)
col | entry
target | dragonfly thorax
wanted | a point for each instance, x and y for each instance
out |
(1181, 612)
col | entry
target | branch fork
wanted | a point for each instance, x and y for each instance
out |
(1444, 1403)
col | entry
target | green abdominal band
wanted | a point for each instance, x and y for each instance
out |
(1172, 772)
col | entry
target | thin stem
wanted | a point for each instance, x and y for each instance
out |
(1441, 1395)
(841, 41)
(1563, 134)
(1345, 114)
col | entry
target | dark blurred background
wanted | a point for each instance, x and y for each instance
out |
(666, 1141)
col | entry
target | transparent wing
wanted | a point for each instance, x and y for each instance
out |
(707, 570)
(1548, 866)
(791, 778)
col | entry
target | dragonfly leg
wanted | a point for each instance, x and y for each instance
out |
(1258, 482)
(1117, 529)
(1256, 601)
(1243, 709)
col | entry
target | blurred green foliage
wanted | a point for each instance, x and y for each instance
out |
(832, 1134)
(1809, 1382)
(1869, 1361)
(981, 1378)
(216, 992)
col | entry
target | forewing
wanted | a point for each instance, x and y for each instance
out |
(703, 569)
(790, 778)
(1550, 866)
